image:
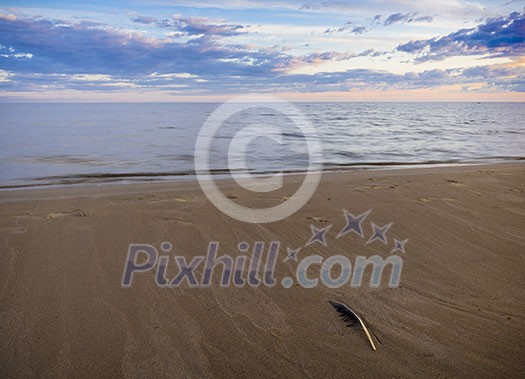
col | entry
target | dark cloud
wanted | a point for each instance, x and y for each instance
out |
(315, 58)
(501, 36)
(145, 20)
(406, 18)
(192, 26)
(309, 7)
(58, 46)
(350, 29)
(395, 18)
(377, 19)
(359, 30)
(425, 18)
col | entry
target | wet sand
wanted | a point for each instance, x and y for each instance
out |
(458, 311)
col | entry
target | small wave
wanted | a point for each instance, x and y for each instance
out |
(348, 154)
(294, 135)
(66, 160)
(108, 178)
(365, 164)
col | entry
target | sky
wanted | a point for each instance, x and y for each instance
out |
(300, 50)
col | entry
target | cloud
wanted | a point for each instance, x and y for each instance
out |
(193, 26)
(92, 77)
(85, 52)
(289, 63)
(9, 52)
(10, 17)
(500, 79)
(4, 76)
(351, 29)
(486, 78)
(84, 56)
(359, 29)
(406, 18)
(395, 18)
(452, 9)
(58, 46)
(145, 20)
(181, 75)
(500, 36)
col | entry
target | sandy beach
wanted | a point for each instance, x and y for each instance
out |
(458, 311)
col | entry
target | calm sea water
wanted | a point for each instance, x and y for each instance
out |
(48, 144)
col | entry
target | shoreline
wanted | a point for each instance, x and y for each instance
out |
(113, 186)
(97, 179)
(458, 311)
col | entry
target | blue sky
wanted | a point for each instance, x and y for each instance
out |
(167, 50)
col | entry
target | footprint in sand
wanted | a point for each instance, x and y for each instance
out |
(177, 199)
(455, 183)
(317, 219)
(177, 221)
(73, 213)
(372, 187)
(425, 199)
(281, 198)
(13, 230)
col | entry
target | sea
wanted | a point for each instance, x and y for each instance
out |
(61, 144)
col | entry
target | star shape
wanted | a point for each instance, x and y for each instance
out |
(399, 246)
(291, 254)
(318, 235)
(353, 223)
(379, 233)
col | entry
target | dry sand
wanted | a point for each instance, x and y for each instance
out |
(459, 311)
